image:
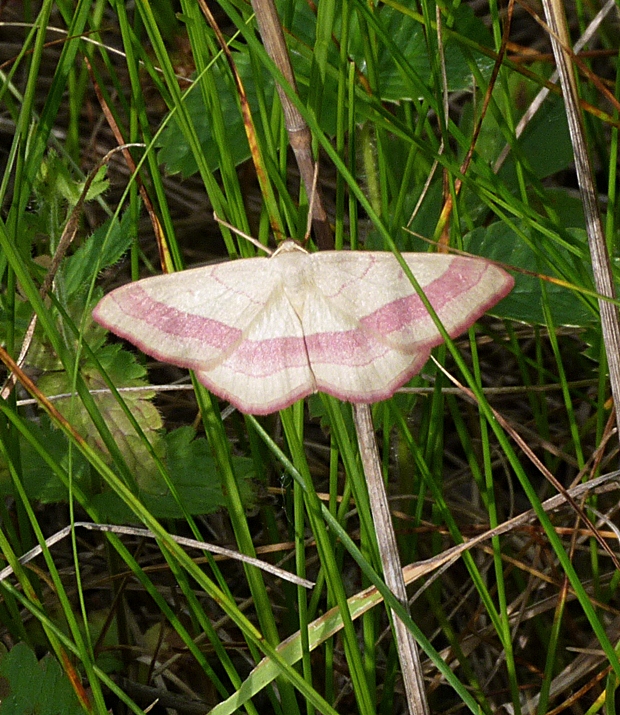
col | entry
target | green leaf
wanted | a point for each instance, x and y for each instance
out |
(28, 686)
(407, 34)
(39, 481)
(124, 370)
(56, 179)
(544, 156)
(195, 476)
(106, 246)
(193, 473)
(174, 151)
(393, 86)
(500, 243)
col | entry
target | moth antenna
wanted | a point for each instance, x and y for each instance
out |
(311, 204)
(251, 239)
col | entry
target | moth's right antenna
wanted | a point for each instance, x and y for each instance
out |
(251, 239)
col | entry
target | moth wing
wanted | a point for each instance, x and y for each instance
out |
(230, 322)
(367, 330)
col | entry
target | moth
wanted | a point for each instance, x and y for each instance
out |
(265, 332)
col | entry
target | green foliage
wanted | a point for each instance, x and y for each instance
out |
(177, 155)
(532, 150)
(28, 686)
(41, 483)
(105, 247)
(194, 476)
(372, 91)
(404, 32)
(124, 370)
(567, 307)
(191, 471)
(55, 181)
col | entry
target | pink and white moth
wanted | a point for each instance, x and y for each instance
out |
(265, 332)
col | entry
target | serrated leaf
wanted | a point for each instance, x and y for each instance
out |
(124, 370)
(41, 357)
(39, 481)
(29, 686)
(104, 247)
(193, 473)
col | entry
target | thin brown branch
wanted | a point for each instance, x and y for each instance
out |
(390, 560)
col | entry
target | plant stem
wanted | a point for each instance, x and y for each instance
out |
(390, 560)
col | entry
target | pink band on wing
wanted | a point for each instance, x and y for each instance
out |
(138, 304)
(263, 358)
(410, 310)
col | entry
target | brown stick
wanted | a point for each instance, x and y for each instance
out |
(601, 266)
(298, 132)
(390, 560)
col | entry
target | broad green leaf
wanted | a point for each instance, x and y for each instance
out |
(29, 686)
(407, 35)
(543, 157)
(174, 151)
(193, 473)
(500, 243)
(39, 481)
(124, 370)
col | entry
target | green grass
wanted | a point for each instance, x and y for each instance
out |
(498, 625)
